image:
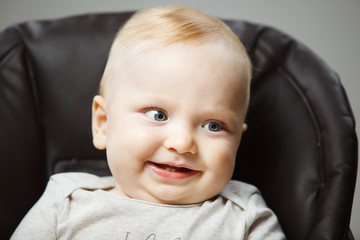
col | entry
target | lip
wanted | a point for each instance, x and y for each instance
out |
(172, 170)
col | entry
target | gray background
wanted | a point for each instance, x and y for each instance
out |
(331, 28)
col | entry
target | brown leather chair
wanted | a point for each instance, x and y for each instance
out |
(300, 148)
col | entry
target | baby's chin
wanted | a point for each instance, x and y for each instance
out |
(168, 193)
(167, 198)
(174, 199)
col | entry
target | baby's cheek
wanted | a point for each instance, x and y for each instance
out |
(228, 163)
(223, 151)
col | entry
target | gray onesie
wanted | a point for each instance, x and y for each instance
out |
(77, 206)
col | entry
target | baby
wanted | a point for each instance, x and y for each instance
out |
(170, 114)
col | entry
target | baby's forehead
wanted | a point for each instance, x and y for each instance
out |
(150, 50)
(130, 64)
(133, 67)
(157, 28)
(135, 58)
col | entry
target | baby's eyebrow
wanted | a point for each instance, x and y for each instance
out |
(154, 98)
(223, 114)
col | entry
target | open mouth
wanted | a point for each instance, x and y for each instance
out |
(170, 168)
(172, 171)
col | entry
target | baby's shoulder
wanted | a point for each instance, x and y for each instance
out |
(67, 183)
(242, 194)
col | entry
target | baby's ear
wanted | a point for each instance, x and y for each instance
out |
(244, 127)
(99, 122)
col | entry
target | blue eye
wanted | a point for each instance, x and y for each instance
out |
(213, 126)
(156, 115)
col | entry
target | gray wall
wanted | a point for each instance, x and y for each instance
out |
(329, 27)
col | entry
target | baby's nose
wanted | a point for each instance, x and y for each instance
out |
(181, 140)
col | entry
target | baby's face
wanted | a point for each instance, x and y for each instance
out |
(172, 128)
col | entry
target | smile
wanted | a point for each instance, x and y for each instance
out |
(172, 171)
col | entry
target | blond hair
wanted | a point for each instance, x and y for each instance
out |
(162, 26)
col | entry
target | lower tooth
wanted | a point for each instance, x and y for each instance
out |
(170, 169)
